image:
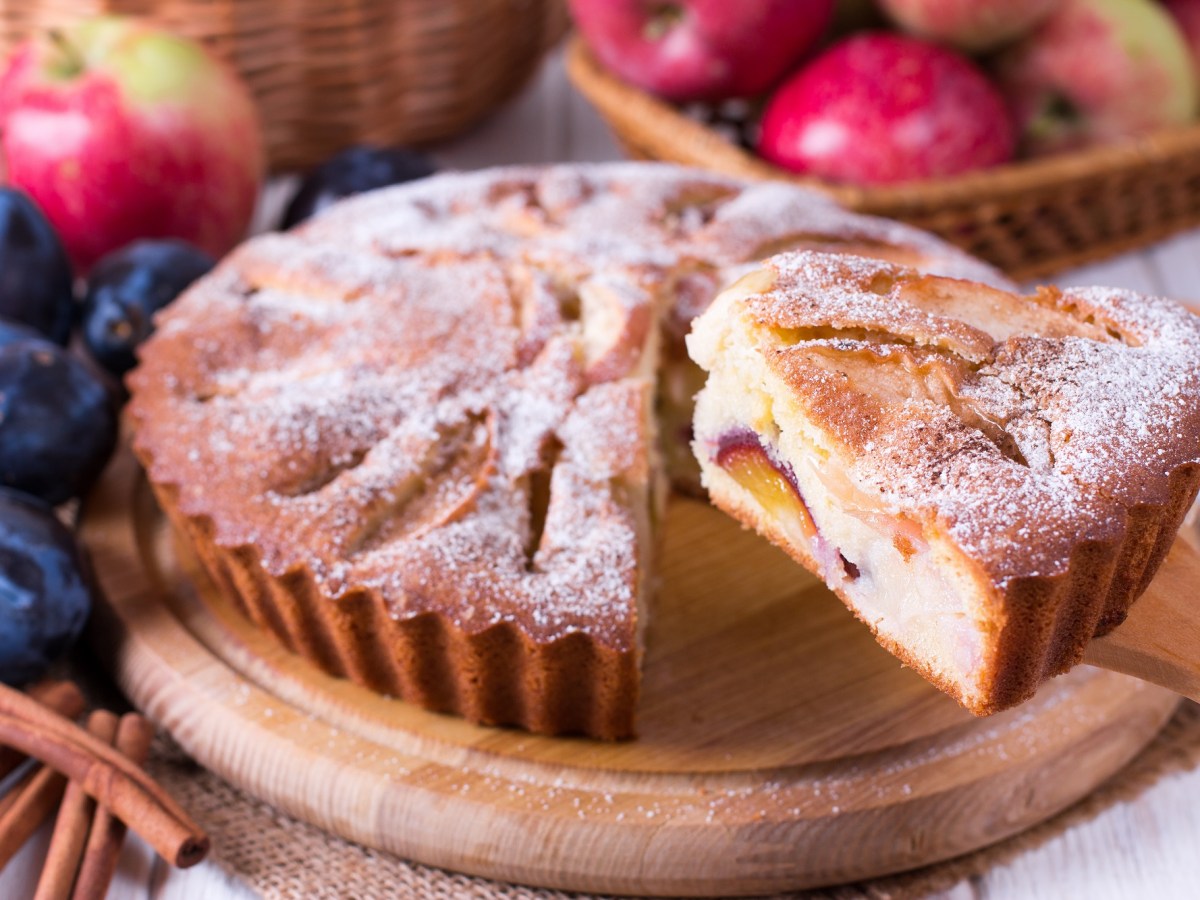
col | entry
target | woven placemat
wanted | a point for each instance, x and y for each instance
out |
(280, 857)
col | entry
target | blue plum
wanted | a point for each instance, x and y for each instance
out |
(36, 280)
(126, 288)
(58, 421)
(45, 588)
(353, 171)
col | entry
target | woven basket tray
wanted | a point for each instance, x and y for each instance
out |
(1029, 218)
(328, 73)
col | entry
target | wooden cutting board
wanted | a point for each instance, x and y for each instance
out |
(780, 747)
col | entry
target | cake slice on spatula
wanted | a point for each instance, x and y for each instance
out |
(987, 480)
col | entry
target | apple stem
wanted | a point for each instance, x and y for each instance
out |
(71, 63)
(662, 19)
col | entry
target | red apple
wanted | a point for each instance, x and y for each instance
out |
(1098, 71)
(1187, 17)
(880, 108)
(701, 49)
(972, 25)
(121, 131)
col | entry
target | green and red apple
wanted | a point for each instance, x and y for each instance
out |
(120, 131)
(1098, 71)
(1187, 16)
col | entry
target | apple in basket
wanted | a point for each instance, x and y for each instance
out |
(122, 131)
(1187, 17)
(972, 25)
(701, 49)
(881, 108)
(1098, 71)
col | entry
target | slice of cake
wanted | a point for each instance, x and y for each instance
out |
(986, 479)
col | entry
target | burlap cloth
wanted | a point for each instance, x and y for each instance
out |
(281, 857)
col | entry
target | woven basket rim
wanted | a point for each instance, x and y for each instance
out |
(648, 121)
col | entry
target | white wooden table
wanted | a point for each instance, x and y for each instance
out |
(1146, 848)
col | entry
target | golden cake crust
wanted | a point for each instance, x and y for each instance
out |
(1051, 439)
(413, 438)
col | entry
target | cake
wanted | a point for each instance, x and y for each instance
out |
(415, 439)
(986, 479)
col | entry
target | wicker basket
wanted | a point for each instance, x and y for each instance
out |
(1029, 218)
(327, 73)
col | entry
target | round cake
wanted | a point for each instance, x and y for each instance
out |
(417, 438)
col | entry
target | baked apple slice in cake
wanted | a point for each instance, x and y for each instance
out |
(986, 479)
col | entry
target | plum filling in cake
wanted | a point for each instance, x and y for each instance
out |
(741, 454)
(772, 483)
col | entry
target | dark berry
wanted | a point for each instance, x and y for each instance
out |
(58, 423)
(45, 591)
(354, 171)
(126, 288)
(36, 281)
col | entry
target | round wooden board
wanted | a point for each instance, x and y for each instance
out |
(779, 746)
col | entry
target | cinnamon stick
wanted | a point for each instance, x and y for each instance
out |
(15, 792)
(108, 832)
(33, 802)
(73, 823)
(61, 696)
(115, 782)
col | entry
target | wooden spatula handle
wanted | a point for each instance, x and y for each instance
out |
(1160, 641)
